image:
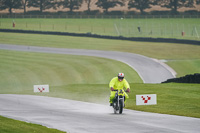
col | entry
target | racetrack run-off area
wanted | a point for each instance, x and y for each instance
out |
(82, 117)
(149, 70)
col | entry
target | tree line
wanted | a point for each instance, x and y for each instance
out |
(72, 5)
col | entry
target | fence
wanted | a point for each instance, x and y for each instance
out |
(98, 16)
(157, 29)
(160, 26)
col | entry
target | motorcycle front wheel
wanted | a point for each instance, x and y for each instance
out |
(121, 106)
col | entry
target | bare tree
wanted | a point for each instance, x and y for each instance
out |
(71, 4)
(24, 2)
(88, 4)
(43, 4)
(174, 5)
(197, 2)
(106, 4)
(140, 4)
(10, 4)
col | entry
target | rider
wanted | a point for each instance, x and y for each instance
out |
(118, 83)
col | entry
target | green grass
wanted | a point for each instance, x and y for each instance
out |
(165, 27)
(22, 70)
(99, 26)
(183, 67)
(13, 126)
(150, 49)
(173, 98)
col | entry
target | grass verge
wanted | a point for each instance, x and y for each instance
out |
(183, 67)
(13, 126)
(22, 70)
(173, 98)
(150, 49)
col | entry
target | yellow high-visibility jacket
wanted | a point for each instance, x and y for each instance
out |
(116, 84)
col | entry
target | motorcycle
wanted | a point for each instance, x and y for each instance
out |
(118, 102)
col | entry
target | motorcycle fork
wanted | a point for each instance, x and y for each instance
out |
(120, 98)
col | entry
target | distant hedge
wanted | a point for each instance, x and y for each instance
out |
(142, 39)
(195, 78)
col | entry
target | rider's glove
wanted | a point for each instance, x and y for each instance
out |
(112, 89)
(128, 90)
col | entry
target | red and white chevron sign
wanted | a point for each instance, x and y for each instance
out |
(41, 88)
(147, 99)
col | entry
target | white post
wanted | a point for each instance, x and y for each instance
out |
(196, 31)
(160, 29)
(172, 30)
(116, 29)
(177, 33)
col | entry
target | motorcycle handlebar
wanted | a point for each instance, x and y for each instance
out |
(117, 90)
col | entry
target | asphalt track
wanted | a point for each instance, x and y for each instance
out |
(150, 70)
(82, 117)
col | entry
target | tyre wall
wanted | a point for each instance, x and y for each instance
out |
(195, 78)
